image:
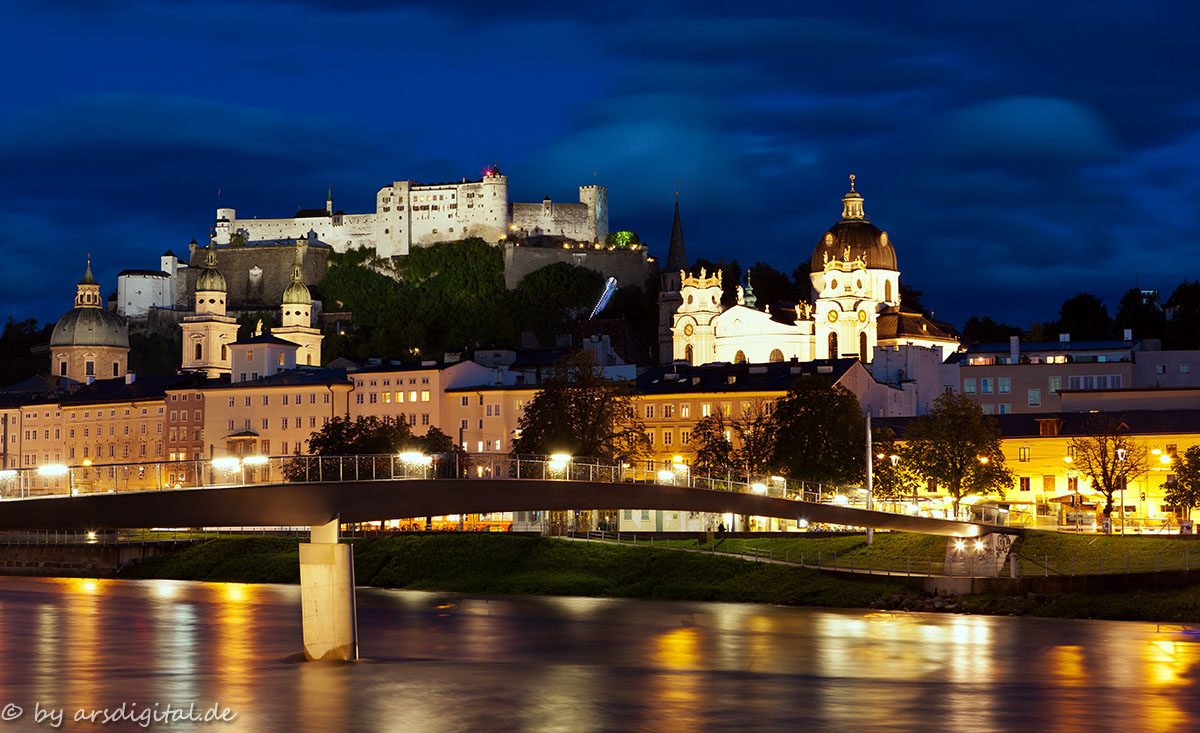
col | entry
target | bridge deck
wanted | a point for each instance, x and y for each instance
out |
(318, 503)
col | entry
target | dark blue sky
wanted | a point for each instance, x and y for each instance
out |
(1014, 159)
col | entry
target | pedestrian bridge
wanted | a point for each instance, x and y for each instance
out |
(324, 492)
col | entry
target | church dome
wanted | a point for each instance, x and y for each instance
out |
(211, 279)
(855, 238)
(297, 294)
(90, 327)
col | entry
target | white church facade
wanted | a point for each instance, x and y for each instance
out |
(856, 297)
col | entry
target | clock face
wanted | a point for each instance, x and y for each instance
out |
(688, 330)
(862, 316)
(833, 316)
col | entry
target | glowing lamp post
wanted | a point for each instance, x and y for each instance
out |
(1121, 453)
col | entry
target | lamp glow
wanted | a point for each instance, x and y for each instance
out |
(226, 463)
(560, 457)
(959, 544)
(758, 488)
(254, 460)
(416, 457)
(52, 469)
(8, 474)
(665, 475)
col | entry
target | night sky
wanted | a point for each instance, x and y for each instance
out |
(1015, 160)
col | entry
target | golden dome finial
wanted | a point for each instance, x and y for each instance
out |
(851, 181)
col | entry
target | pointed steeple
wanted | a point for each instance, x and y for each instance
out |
(751, 300)
(329, 201)
(87, 293)
(677, 258)
(88, 277)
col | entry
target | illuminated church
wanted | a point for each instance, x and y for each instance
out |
(856, 296)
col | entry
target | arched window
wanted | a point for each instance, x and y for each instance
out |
(199, 351)
(833, 345)
(224, 352)
(688, 353)
(887, 290)
(862, 347)
(308, 359)
(740, 357)
(776, 355)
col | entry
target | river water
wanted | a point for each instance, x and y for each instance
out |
(441, 662)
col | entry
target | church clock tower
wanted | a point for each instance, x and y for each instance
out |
(208, 333)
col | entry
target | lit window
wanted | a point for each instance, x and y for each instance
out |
(969, 385)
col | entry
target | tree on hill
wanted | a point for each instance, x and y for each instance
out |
(772, 286)
(910, 299)
(984, 330)
(957, 446)
(1184, 325)
(581, 412)
(819, 432)
(1084, 317)
(552, 299)
(1141, 315)
(17, 361)
(1107, 455)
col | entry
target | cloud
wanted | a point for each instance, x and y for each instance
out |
(1027, 128)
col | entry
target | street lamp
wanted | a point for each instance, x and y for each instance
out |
(1121, 452)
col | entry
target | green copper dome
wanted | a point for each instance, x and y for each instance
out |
(297, 294)
(211, 279)
(90, 327)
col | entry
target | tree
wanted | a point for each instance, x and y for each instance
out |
(580, 411)
(364, 435)
(623, 239)
(1085, 318)
(772, 286)
(984, 330)
(1184, 309)
(820, 434)
(910, 298)
(1141, 314)
(1183, 491)
(17, 360)
(1098, 456)
(892, 480)
(755, 430)
(711, 444)
(957, 446)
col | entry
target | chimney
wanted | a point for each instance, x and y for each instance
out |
(1064, 338)
(1014, 349)
(130, 377)
(1129, 334)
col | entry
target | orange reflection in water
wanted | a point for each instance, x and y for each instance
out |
(1169, 670)
(234, 609)
(82, 640)
(673, 696)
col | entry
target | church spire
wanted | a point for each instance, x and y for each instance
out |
(676, 253)
(852, 204)
(87, 293)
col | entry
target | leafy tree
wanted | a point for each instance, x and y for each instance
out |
(957, 446)
(435, 441)
(17, 361)
(1084, 317)
(1183, 491)
(755, 431)
(622, 239)
(1184, 324)
(1098, 458)
(820, 434)
(154, 354)
(984, 330)
(772, 286)
(1144, 316)
(364, 435)
(580, 411)
(910, 299)
(550, 300)
(711, 445)
(892, 481)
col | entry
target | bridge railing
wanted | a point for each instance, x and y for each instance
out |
(235, 471)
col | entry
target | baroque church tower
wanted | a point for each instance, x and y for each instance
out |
(854, 279)
(696, 318)
(669, 287)
(208, 333)
(297, 318)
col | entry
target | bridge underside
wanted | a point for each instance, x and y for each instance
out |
(297, 504)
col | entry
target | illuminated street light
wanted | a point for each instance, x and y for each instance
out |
(254, 460)
(666, 476)
(52, 469)
(959, 544)
(416, 457)
(758, 488)
(226, 463)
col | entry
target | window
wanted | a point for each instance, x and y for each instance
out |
(685, 410)
(667, 437)
(989, 409)
(1172, 449)
(1003, 385)
(231, 401)
(1023, 454)
(726, 408)
(312, 421)
(1047, 484)
(358, 399)
(465, 400)
(1024, 483)
(283, 423)
(1185, 368)
(373, 400)
(285, 447)
(650, 436)
(425, 420)
(628, 515)
(325, 398)
(705, 409)
(424, 395)
(645, 515)
(266, 400)
(668, 410)
(985, 385)
(649, 411)
(1160, 368)
(1072, 483)
(246, 402)
(1055, 385)
(285, 400)
(1035, 398)
(266, 423)
(969, 385)
(685, 436)
(1004, 408)
(931, 486)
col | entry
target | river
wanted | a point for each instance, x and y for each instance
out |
(442, 662)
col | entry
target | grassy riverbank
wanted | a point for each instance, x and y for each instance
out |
(508, 564)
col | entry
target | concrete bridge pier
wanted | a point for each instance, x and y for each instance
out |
(327, 596)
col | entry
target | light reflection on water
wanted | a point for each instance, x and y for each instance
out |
(445, 662)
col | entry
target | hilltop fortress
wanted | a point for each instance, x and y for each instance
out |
(411, 215)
